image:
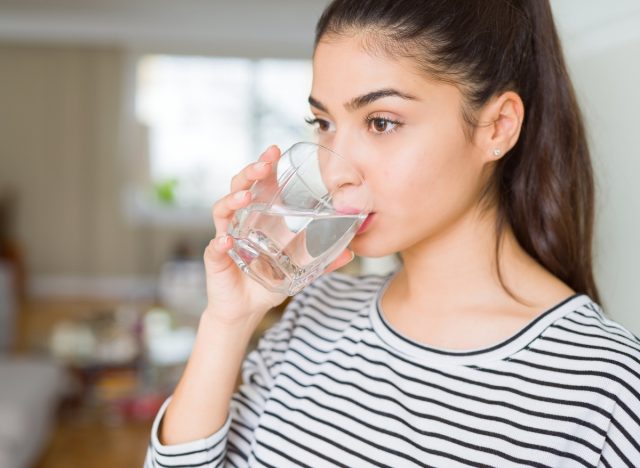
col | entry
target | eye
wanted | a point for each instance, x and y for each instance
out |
(382, 125)
(321, 124)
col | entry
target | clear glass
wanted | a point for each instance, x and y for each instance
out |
(300, 219)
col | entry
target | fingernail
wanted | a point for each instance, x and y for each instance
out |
(222, 240)
(261, 165)
(239, 196)
(269, 148)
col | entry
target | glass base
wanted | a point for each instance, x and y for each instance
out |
(277, 273)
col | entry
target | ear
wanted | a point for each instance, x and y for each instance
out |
(500, 124)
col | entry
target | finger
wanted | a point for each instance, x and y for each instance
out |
(345, 257)
(215, 254)
(271, 154)
(257, 170)
(247, 176)
(224, 209)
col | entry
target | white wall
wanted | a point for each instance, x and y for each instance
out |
(602, 44)
(608, 86)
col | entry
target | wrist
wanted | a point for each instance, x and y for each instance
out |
(240, 327)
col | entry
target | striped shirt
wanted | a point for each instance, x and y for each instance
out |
(334, 384)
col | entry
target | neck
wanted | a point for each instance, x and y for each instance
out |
(457, 268)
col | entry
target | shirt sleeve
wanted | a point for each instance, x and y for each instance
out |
(231, 444)
(622, 442)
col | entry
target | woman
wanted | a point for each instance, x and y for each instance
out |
(486, 347)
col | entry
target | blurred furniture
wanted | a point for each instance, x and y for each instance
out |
(29, 393)
(106, 352)
(103, 420)
(30, 389)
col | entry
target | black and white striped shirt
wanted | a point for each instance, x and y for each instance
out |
(333, 384)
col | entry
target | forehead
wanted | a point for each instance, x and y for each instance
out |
(343, 68)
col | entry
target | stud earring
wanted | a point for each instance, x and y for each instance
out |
(497, 152)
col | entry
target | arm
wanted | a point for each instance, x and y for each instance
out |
(232, 435)
(200, 403)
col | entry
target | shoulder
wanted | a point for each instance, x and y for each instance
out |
(595, 326)
(586, 333)
(339, 288)
(342, 282)
(336, 298)
(333, 295)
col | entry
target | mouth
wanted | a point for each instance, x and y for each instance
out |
(367, 222)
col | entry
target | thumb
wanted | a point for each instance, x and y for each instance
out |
(345, 257)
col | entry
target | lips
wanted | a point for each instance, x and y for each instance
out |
(366, 223)
(346, 210)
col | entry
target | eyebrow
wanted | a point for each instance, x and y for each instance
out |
(361, 101)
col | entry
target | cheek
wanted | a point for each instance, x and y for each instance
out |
(430, 180)
(414, 202)
(445, 148)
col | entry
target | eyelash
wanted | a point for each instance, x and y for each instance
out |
(313, 121)
(397, 124)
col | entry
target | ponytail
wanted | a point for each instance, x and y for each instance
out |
(546, 183)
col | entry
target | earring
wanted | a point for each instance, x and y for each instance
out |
(497, 152)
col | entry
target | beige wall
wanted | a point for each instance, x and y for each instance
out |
(61, 148)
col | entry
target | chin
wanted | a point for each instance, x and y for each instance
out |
(370, 245)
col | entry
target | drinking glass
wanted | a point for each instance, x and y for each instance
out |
(301, 217)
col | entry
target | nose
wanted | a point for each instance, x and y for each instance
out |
(336, 170)
(344, 142)
(344, 145)
(343, 181)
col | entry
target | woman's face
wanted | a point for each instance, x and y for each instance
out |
(404, 132)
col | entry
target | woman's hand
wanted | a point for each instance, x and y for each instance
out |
(232, 296)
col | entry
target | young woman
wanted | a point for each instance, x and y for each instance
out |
(486, 347)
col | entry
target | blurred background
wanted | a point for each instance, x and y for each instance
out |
(121, 122)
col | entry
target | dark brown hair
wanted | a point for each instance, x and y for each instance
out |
(544, 186)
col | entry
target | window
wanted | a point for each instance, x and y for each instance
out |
(204, 118)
